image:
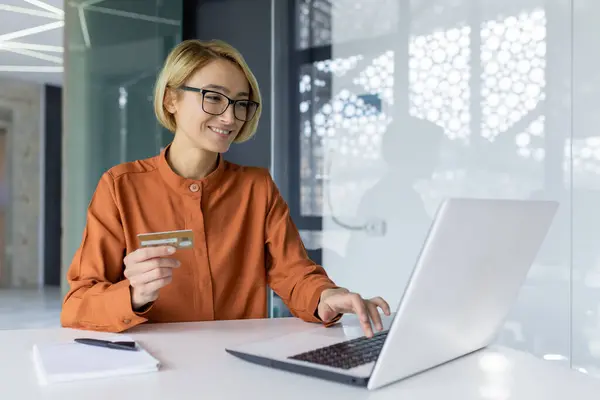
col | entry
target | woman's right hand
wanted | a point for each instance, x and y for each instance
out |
(148, 269)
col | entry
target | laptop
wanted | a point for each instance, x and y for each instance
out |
(473, 263)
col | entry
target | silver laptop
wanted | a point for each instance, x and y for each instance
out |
(476, 257)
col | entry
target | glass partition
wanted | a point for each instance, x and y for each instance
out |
(114, 50)
(470, 98)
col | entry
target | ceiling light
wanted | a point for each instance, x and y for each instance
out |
(31, 46)
(29, 11)
(46, 6)
(133, 15)
(28, 68)
(86, 3)
(32, 31)
(38, 55)
(84, 28)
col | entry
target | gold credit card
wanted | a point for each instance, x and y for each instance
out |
(183, 239)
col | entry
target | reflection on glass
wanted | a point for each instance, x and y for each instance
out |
(315, 27)
(113, 52)
(446, 98)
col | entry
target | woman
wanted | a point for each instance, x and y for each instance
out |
(244, 238)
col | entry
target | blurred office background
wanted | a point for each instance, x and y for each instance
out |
(374, 111)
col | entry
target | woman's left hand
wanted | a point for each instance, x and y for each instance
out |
(338, 301)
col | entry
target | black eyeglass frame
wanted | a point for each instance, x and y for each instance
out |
(229, 101)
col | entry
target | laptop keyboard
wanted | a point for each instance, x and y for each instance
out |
(348, 354)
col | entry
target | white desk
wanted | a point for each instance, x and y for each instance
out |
(196, 366)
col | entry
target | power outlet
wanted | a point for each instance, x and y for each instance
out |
(375, 227)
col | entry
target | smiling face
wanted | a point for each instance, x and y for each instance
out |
(194, 111)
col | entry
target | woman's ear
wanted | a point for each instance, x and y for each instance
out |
(169, 101)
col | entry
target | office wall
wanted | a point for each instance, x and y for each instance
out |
(473, 98)
(113, 53)
(21, 102)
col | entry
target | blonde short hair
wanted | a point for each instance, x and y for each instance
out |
(183, 61)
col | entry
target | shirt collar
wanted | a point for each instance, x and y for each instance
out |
(190, 187)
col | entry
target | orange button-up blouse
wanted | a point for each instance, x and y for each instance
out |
(244, 240)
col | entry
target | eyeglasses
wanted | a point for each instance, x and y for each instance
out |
(216, 103)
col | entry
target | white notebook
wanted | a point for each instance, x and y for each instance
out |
(69, 361)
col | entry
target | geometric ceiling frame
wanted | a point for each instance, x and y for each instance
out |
(31, 35)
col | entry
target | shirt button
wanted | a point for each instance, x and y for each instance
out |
(126, 321)
(194, 187)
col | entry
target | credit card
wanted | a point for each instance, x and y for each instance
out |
(183, 239)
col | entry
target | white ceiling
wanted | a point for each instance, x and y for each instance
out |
(31, 40)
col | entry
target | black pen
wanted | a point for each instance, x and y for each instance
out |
(108, 344)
